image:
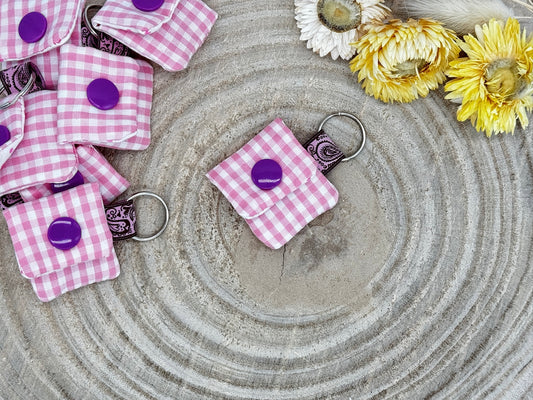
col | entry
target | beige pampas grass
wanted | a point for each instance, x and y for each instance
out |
(460, 16)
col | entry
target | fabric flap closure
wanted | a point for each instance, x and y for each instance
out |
(233, 175)
(124, 15)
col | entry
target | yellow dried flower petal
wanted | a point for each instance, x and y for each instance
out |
(495, 80)
(400, 61)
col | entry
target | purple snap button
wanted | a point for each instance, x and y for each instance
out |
(64, 233)
(266, 174)
(76, 180)
(103, 94)
(148, 5)
(5, 135)
(32, 27)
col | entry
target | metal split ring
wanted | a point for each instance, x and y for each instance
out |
(23, 92)
(87, 21)
(353, 118)
(167, 216)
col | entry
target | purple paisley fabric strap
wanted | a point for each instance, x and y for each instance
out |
(326, 153)
(9, 200)
(121, 220)
(103, 42)
(14, 79)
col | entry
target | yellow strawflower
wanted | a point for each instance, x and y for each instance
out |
(494, 81)
(400, 61)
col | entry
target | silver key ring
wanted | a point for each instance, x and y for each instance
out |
(87, 21)
(23, 92)
(353, 118)
(167, 216)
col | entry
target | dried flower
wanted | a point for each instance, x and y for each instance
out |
(329, 26)
(400, 61)
(494, 81)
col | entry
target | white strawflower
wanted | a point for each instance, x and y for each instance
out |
(330, 26)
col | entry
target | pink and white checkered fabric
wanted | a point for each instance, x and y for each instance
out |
(291, 214)
(141, 139)
(38, 158)
(75, 38)
(60, 15)
(122, 14)
(79, 121)
(35, 192)
(13, 119)
(94, 168)
(48, 65)
(52, 285)
(28, 226)
(170, 42)
(275, 215)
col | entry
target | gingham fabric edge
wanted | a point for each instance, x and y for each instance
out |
(51, 286)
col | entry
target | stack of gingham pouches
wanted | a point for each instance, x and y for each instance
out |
(74, 77)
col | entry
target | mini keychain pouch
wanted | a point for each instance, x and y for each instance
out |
(62, 241)
(46, 64)
(65, 241)
(33, 27)
(30, 225)
(92, 168)
(275, 214)
(166, 32)
(38, 158)
(103, 99)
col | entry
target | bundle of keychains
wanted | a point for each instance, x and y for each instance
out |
(70, 81)
(64, 98)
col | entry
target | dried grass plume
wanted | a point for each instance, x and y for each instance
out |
(461, 16)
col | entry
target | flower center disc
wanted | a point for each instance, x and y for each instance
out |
(339, 15)
(409, 68)
(502, 78)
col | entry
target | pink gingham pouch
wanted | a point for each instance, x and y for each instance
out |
(38, 158)
(52, 270)
(169, 36)
(275, 215)
(12, 125)
(60, 17)
(81, 122)
(28, 225)
(94, 168)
